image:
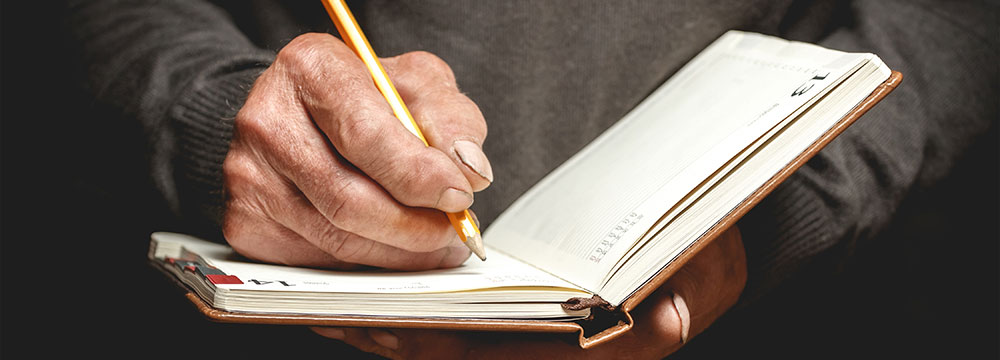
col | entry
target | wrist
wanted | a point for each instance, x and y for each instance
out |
(202, 121)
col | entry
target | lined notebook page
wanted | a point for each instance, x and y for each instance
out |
(586, 215)
(734, 186)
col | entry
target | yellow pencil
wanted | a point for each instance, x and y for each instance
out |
(351, 33)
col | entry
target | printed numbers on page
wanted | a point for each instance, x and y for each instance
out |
(265, 282)
(613, 236)
(808, 85)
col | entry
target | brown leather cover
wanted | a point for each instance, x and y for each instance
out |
(622, 314)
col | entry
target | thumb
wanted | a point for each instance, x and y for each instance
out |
(709, 284)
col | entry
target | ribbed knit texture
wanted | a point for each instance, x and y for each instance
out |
(180, 68)
(203, 120)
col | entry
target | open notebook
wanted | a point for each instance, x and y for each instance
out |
(614, 221)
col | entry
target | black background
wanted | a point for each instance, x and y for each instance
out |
(77, 211)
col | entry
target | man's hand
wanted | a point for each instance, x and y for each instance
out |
(321, 173)
(708, 285)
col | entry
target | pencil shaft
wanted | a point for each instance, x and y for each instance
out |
(351, 33)
(352, 36)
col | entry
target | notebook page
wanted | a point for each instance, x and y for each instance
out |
(727, 168)
(500, 271)
(578, 221)
(745, 179)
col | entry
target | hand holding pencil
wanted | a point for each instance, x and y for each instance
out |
(321, 173)
(351, 33)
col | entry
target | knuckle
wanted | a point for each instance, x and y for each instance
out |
(302, 52)
(250, 191)
(350, 248)
(336, 206)
(247, 134)
(326, 235)
(422, 61)
(341, 97)
(411, 180)
(237, 173)
(251, 123)
(453, 114)
(258, 136)
(317, 60)
(476, 122)
(359, 129)
(435, 170)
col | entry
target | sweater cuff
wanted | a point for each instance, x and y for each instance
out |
(203, 126)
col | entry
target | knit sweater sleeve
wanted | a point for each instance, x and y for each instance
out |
(182, 69)
(848, 193)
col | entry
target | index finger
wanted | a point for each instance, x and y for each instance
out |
(451, 122)
(338, 93)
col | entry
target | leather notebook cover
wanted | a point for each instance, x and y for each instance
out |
(590, 333)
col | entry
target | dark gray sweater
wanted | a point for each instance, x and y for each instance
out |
(549, 76)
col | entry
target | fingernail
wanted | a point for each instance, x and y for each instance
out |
(475, 218)
(453, 200)
(684, 314)
(472, 156)
(384, 338)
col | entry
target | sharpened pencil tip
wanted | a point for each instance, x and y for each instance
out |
(475, 243)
